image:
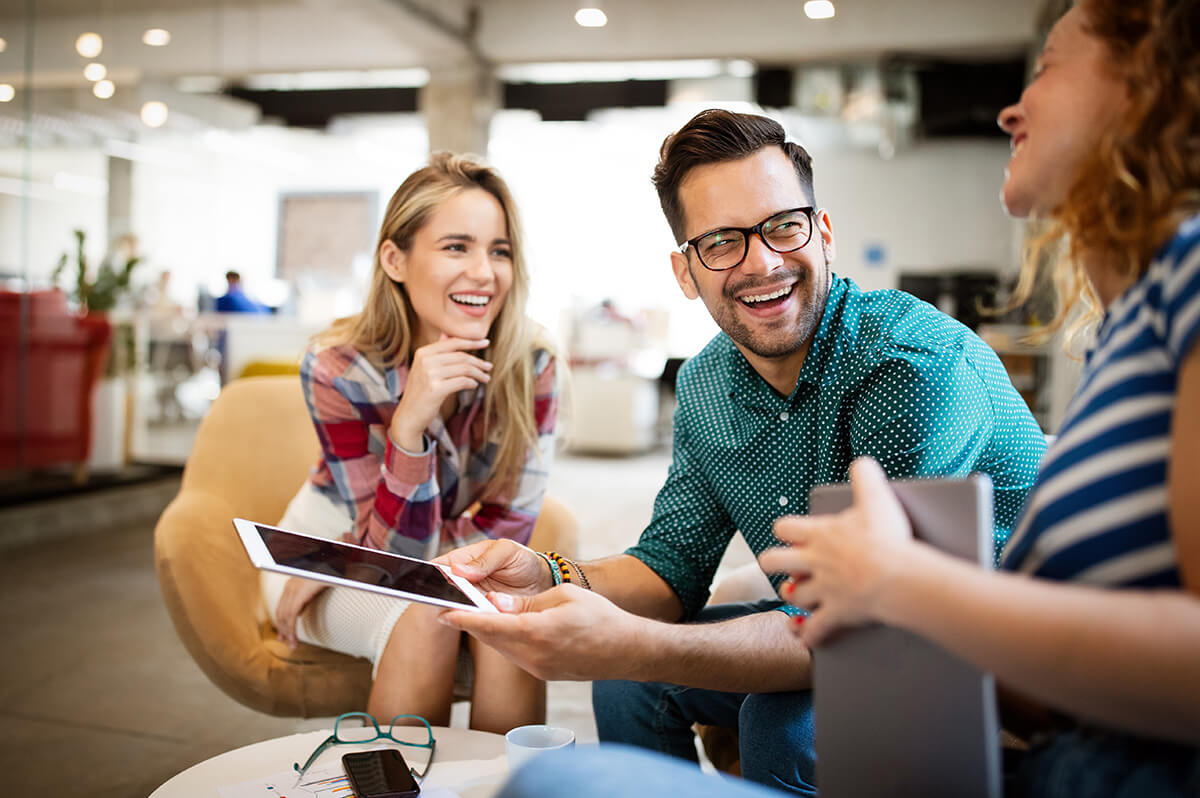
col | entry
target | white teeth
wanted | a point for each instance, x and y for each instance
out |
(470, 299)
(751, 300)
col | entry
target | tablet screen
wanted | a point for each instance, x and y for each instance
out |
(360, 565)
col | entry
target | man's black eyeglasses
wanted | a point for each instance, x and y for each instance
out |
(727, 247)
(348, 734)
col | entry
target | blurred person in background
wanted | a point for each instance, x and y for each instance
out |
(235, 299)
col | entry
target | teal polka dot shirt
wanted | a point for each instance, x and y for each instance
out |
(887, 376)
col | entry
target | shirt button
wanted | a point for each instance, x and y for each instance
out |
(783, 416)
(783, 500)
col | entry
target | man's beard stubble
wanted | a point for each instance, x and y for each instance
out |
(812, 295)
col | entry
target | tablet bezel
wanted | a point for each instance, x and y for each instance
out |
(261, 557)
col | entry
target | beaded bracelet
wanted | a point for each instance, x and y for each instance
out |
(555, 573)
(565, 571)
(564, 575)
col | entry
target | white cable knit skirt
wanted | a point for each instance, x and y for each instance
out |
(354, 622)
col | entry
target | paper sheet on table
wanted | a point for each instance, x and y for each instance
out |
(329, 781)
(467, 773)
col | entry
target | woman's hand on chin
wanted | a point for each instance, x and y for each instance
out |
(438, 371)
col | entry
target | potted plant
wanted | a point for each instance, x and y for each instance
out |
(101, 293)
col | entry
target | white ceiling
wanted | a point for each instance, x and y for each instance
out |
(233, 39)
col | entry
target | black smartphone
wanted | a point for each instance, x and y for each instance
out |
(380, 774)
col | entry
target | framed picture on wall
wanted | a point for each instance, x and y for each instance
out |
(322, 234)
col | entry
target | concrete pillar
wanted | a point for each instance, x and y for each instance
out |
(458, 103)
(120, 198)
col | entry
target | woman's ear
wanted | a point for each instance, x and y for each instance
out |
(393, 260)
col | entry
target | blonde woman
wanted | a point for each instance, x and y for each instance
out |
(435, 408)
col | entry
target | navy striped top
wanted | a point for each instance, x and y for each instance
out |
(1098, 513)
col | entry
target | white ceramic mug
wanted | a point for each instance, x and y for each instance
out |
(524, 742)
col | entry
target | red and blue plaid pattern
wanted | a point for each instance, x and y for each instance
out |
(418, 503)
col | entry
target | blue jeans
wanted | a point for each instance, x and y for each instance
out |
(1083, 764)
(613, 770)
(775, 730)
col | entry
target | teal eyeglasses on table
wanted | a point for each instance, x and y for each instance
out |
(349, 734)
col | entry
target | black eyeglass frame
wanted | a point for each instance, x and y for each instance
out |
(746, 232)
(379, 734)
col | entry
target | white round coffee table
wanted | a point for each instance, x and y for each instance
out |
(469, 763)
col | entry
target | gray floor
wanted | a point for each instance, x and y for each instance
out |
(99, 698)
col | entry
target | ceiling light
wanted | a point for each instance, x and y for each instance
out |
(7, 92)
(95, 71)
(156, 37)
(154, 113)
(104, 89)
(89, 45)
(818, 9)
(591, 18)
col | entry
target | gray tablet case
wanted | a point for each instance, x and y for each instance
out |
(896, 715)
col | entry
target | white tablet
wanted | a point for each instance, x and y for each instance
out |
(347, 565)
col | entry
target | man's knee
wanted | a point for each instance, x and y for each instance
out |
(776, 738)
(617, 696)
(617, 704)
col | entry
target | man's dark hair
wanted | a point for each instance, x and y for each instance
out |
(232, 275)
(715, 136)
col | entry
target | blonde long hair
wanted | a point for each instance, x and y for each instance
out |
(384, 330)
(1143, 179)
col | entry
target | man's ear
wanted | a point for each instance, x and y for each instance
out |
(826, 229)
(683, 276)
(394, 261)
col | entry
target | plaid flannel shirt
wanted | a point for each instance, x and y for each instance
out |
(423, 503)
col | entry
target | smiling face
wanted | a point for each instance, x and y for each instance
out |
(771, 304)
(1072, 99)
(458, 268)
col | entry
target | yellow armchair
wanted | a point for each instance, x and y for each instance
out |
(251, 454)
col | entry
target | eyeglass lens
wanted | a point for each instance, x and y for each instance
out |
(350, 728)
(784, 232)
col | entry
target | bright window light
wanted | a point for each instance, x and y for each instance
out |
(576, 71)
(7, 92)
(104, 89)
(95, 71)
(156, 37)
(818, 9)
(591, 18)
(89, 45)
(154, 114)
(339, 79)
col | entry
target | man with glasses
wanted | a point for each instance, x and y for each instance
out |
(808, 373)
